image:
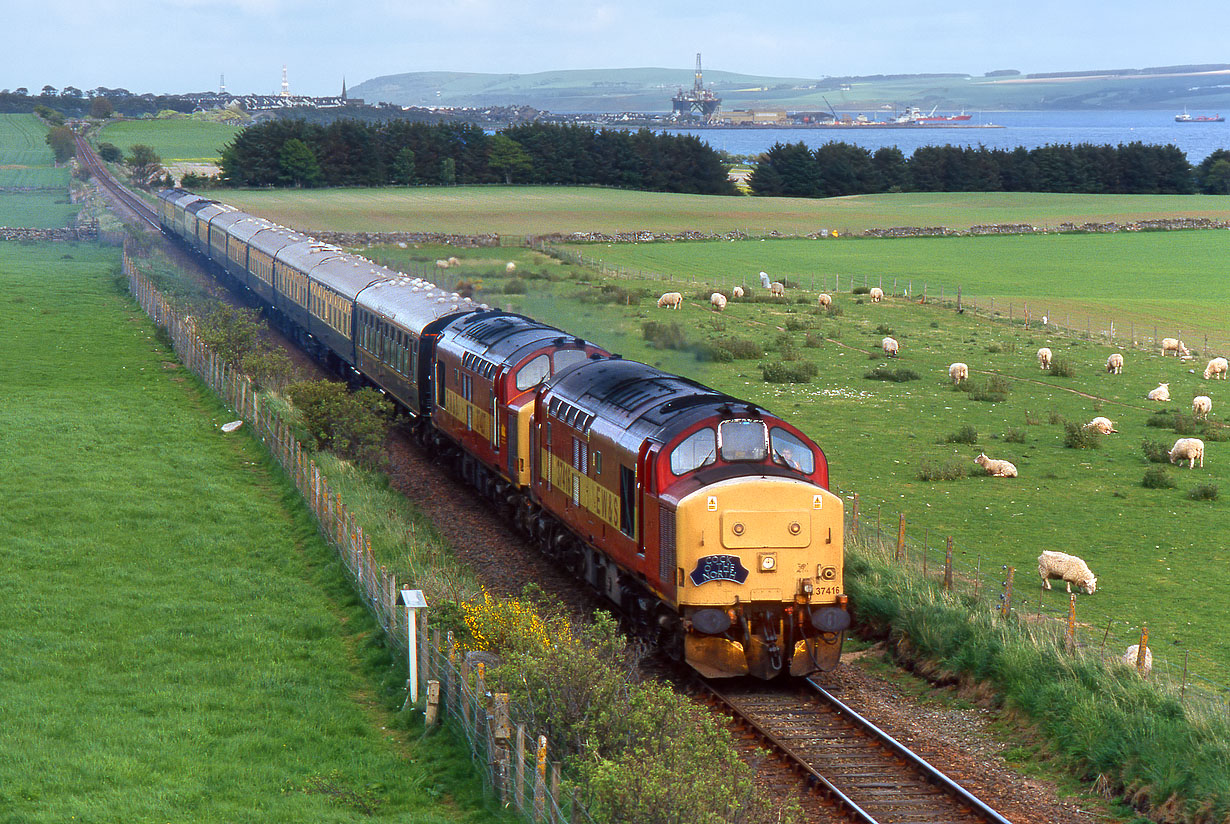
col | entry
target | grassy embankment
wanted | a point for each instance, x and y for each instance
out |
(26, 161)
(179, 643)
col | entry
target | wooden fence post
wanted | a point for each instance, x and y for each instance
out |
(1069, 637)
(540, 779)
(1141, 650)
(900, 556)
(519, 769)
(854, 517)
(948, 566)
(1006, 597)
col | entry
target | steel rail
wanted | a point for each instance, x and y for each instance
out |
(138, 206)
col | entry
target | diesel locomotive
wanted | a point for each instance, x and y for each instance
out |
(706, 519)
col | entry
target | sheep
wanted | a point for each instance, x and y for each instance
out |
(1133, 653)
(826, 300)
(718, 300)
(997, 469)
(1175, 345)
(890, 347)
(958, 372)
(1202, 405)
(670, 300)
(1067, 568)
(877, 294)
(764, 280)
(1217, 368)
(1161, 393)
(1187, 449)
(777, 289)
(454, 262)
(738, 291)
(510, 267)
(441, 264)
(1114, 364)
(1103, 426)
(1044, 358)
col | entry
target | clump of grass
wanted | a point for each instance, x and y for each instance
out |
(1160, 419)
(1076, 436)
(834, 311)
(813, 340)
(1158, 477)
(883, 373)
(610, 293)
(993, 390)
(1062, 368)
(1015, 435)
(884, 329)
(664, 335)
(516, 286)
(1213, 432)
(1204, 492)
(714, 353)
(966, 434)
(1032, 419)
(997, 348)
(741, 348)
(935, 324)
(788, 371)
(797, 324)
(1155, 452)
(1054, 417)
(861, 290)
(947, 471)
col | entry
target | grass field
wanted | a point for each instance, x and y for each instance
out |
(524, 210)
(26, 161)
(178, 642)
(173, 139)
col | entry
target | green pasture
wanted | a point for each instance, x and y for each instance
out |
(173, 139)
(179, 644)
(26, 161)
(1149, 547)
(540, 210)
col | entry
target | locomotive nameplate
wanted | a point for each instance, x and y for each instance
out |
(757, 530)
(718, 568)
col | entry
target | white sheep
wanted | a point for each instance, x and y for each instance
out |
(764, 280)
(1103, 426)
(670, 300)
(1187, 449)
(1175, 345)
(454, 262)
(1161, 393)
(1133, 653)
(1067, 568)
(777, 289)
(890, 347)
(441, 264)
(995, 468)
(877, 294)
(738, 291)
(1217, 368)
(958, 372)
(1044, 358)
(826, 300)
(1114, 364)
(1202, 405)
(718, 300)
(510, 267)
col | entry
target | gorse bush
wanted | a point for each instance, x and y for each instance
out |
(1155, 452)
(788, 371)
(1076, 436)
(947, 471)
(1203, 492)
(664, 335)
(797, 324)
(966, 434)
(883, 373)
(1062, 368)
(516, 286)
(813, 340)
(861, 290)
(714, 352)
(350, 424)
(1158, 477)
(884, 329)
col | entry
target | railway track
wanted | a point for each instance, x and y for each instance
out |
(134, 204)
(843, 759)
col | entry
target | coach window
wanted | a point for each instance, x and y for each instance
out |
(791, 451)
(697, 450)
(532, 373)
(743, 440)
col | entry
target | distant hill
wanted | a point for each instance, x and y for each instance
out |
(1203, 87)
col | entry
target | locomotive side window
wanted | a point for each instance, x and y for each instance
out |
(567, 357)
(789, 450)
(532, 373)
(697, 450)
(743, 440)
(627, 501)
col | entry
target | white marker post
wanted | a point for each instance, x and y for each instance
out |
(413, 601)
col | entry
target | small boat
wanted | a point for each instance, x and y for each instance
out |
(1198, 118)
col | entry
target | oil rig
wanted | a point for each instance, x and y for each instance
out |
(698, 103)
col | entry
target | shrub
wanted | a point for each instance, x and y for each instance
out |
(884, 329)
(1076, 436)
(1204, 492)
(1155, 452)
(834, 311)
(110, 152)
(788, 371)
(797, 324)
(966, 434)
(741, 348)
(1032, 419)
(714, 352)
(1062, 368)
(664, 335)
(948, 471)
(1213, 432)
(1158, 477)
(994, 390)
(996, 348)
(350, 424)
(1054, 417)
(1014, 435)
(861, 290)
(883, 373)
(1161, 419)
(516, 286)
(813, 340)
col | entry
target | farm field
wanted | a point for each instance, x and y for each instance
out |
(539, 210)
(1149, 547)
(173, 139)
(26, 161)
(178, 643)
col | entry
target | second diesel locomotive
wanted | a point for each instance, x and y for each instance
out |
(706, 519)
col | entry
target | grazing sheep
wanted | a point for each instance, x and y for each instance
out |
(1161, 393)
(826, 300)
(777, 289)
(998, 469)
(670, 300)
(1114, 364)
(1044, 358)
(738, 292)
(764, 280)
(958, 372)
(510, 267)
(1103, 426)
(877, 294)
(1202, 405)
(1133, 652)
(718, 300)
(1217, 368)
(890, 347)
(454, 262)
(1067, 568)
(441, 264)
(1187, 449)
(1175, 345)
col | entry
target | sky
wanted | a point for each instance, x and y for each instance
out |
(171, 46)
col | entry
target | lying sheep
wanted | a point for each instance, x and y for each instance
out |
(510, 267)
(454, 262)
(1187, 449)
(670, 300)
(997, 469)
(1217, 368)
(777, 289)
(1114, 364)
(764, 280)
(1103, 426)
(958, 372)
(1202, 405)
(1175, 345)
(1133, 654)
(877, 294)
(738, 292)
(441, 264)
(826, 300)
(1044, 358)
(718, 300)
(1067, 568)
(1161, 393)
(890, 347)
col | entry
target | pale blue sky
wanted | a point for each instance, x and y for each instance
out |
(183, 45)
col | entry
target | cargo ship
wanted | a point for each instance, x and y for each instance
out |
(919, 117)
(1198, 118)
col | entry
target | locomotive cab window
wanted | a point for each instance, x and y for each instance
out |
(567, 357)
(532, 373)
(792, 452)
(697, 450)
(743, 440)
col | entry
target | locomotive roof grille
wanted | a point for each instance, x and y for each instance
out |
(570, 414)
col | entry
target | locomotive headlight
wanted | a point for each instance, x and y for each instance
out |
(768, 562)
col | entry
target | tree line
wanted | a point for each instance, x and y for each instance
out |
(100, 102)
(353, 153)
(794, 170)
